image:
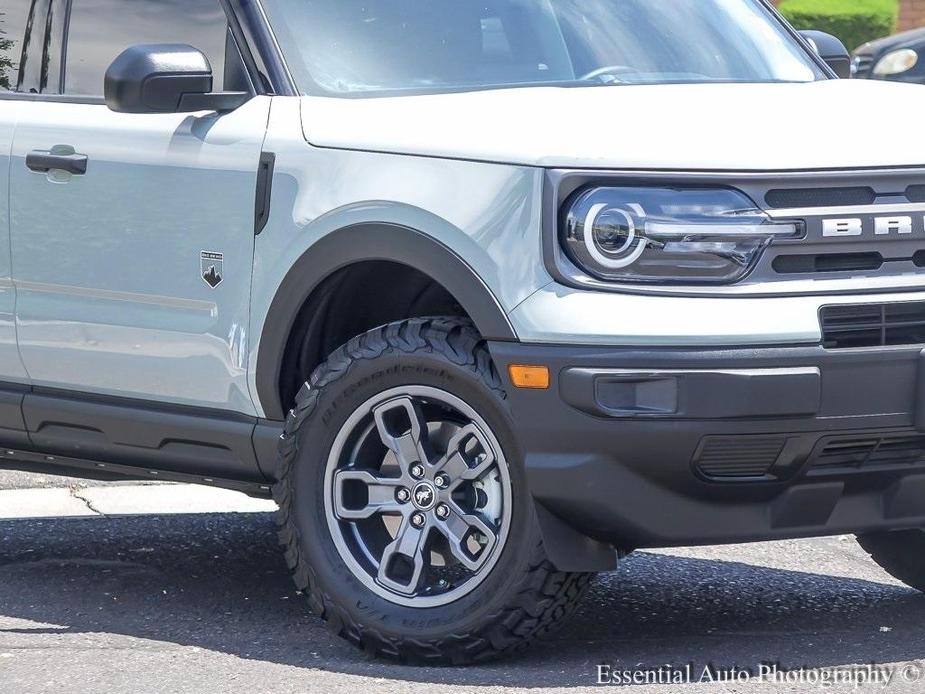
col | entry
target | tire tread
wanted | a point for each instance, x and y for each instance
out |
(900, 553)
(544, 596)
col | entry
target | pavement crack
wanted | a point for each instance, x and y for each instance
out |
(76, 492)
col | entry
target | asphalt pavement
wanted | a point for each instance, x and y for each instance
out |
(203, 603)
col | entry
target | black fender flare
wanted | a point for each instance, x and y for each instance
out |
(358, 243)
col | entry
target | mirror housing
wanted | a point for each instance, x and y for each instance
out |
(165, 78)
(831, 50)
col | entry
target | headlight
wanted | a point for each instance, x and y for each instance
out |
(896, 62)
(667, 235)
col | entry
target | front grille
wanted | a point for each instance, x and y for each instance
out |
(868, 453)
(816, 253)
(827, 262)
(863, 65)
(873, 325)
(842, 259)
(734, 458)
(820, 197)
(915, 193)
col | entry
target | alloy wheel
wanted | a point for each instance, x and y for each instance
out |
(418, 496)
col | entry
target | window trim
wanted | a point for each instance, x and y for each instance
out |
(65, 44)
(239, 36)
(255, 76)
(271, 70)
(251, 32)
(798, 37)
(62, 57)
(53, 98)
(33, 33)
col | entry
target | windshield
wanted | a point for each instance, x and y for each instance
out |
(367, 46)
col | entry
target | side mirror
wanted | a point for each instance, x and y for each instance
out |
(831, 50)
(165, 78)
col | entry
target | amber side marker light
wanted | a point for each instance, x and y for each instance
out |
(536, 377)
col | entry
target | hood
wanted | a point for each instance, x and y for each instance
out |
(714, 127)
(906, 39)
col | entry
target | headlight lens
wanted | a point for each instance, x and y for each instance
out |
(896, 62)
(667, 235)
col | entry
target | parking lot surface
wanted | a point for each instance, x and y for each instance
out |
(203, 603)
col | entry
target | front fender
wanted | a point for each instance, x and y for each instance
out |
(356, 244)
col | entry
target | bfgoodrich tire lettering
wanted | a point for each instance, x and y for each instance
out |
(522, 597)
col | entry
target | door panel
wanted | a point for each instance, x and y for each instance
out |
(13, 23)
(11, 367)
(109, 265)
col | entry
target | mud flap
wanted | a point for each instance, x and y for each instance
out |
(569, 550)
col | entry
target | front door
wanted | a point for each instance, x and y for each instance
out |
(133, 251)
(13, 378)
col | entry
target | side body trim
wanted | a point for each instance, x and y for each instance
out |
(123, 437)
(264, 191)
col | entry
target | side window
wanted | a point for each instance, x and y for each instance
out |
(13, 22)
(100, 30)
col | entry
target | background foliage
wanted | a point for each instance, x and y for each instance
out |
(853, 21)
(6, 60)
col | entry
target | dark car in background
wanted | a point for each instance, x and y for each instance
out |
(900, 58)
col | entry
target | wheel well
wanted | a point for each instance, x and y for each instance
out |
(350, 302)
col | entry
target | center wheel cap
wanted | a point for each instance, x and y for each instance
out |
(424, 496)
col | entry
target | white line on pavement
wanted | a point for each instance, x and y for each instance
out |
(126, 501)
(41, 503)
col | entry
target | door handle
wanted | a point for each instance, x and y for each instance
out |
(43, 161)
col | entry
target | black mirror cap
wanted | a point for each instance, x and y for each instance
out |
(155, 78)
(831, 50)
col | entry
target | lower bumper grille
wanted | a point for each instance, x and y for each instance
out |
(873, 325)
(838, 456)
(731, 458)
(778, 457)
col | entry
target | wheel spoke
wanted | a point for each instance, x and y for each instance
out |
(380, 493)
(418, 496)
(403, 430)
(456, 461)
(458, 528)
(402, 563)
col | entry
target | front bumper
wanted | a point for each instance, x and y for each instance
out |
(665, 446)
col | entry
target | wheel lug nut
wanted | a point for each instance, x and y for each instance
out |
(403, 495)
(443, 511)
(442, 481)
(417, 471)
(417, 520)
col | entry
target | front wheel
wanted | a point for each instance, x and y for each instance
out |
(403, 504)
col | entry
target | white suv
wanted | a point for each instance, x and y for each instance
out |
(537, 282)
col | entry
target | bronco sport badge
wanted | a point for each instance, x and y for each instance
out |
(212, 268)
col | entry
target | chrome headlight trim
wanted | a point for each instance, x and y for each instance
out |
(666, 234)
(561, 184)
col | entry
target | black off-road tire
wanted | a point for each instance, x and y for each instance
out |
(522, 598)
(900, 553)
